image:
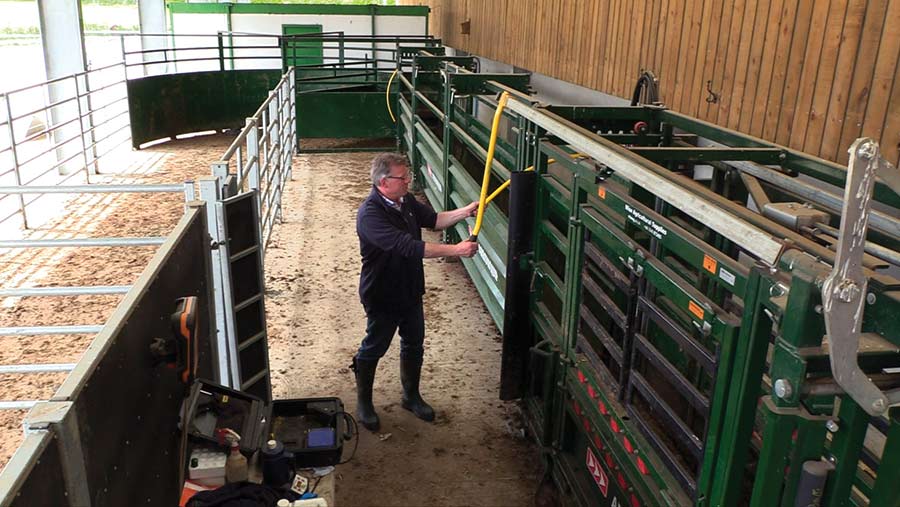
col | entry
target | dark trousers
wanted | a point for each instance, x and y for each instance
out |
(381, 326)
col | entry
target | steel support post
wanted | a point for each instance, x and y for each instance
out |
(776, 446)
(743, 395)
(886, 492)
(62, 37)
(808, 446)
(572, 274)
(413, 155)
(253, 153)
(803, 328)
(210, 191)
(59, 418)
(449, 117)
(846, 447)
(188, 194)
(221, 46)
(15, 159)
(295, 146)
(87, 171)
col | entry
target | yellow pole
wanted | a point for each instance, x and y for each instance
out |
(485, 182)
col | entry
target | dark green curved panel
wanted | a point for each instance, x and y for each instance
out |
(165, 106)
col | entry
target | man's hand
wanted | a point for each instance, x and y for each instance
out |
(447, 219)
(466, 248)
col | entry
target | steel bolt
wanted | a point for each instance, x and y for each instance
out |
(878, 405)
(783, 388)
(870, 298)
(832, 426)
(867, 150)
(776, 290)
(847, 291)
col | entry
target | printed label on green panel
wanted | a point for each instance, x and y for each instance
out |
(646, 223)
(727, 276)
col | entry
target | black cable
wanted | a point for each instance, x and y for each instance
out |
(349, 419)
(316, 485)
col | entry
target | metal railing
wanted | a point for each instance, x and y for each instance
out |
(260, 156)
(193, 52)
(54, 131)
(187, 189)
(258, 160)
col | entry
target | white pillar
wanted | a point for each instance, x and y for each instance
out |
(62, 36)
(152, 14)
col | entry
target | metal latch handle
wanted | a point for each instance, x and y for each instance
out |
(844, 290)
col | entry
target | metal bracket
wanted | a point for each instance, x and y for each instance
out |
(844, 290)
(59, 417)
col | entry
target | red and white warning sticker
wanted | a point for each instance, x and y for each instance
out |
(597, 472)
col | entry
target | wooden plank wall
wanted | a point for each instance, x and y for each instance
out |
(812, 75)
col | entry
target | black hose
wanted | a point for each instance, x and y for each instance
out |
(646, 90)
(350, 420)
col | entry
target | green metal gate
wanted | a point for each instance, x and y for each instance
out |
(675, 351)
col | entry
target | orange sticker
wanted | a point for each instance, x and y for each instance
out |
(709, 264)
(601, 192)
(695, 309)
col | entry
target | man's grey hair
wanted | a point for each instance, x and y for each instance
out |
(382, 163)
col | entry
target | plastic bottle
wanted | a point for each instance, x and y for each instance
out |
(236, 463)
(310, 502)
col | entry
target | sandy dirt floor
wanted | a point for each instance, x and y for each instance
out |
(87, 215)
(473, 454)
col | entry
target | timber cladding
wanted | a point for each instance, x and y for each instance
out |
(810, 74)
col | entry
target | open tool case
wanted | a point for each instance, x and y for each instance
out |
(313, 429)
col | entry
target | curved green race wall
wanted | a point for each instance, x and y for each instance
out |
(165, 106)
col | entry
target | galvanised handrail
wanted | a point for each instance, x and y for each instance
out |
(258, 160)
(79, 121)
(269, 141)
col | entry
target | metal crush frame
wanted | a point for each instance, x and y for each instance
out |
(739, 281)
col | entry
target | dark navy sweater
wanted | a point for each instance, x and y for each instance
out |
(392, 249)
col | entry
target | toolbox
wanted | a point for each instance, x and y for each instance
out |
(313, 429)
(211, 407)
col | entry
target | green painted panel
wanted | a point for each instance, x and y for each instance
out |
(343, 115)
(165, 106)
(299, 51)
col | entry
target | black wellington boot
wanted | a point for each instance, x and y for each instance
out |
(410, 372)
(365, 378)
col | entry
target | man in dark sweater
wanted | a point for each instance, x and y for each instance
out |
(392, 281)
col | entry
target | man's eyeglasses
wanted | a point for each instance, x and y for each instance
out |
(407, 177)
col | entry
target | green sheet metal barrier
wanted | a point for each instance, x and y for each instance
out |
(668, 365)
(165, 106)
